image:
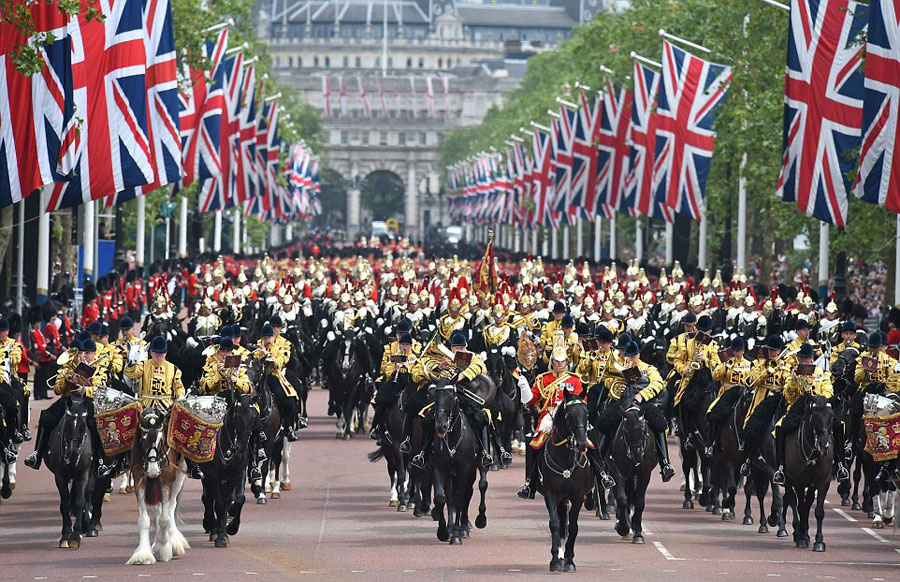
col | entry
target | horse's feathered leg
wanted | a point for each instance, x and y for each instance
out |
(144, 552)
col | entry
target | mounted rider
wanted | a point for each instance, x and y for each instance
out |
(874, 365)
(700, 352)
(730, 372)
(276, 352)
(848, 341)
(70, 382)
(768, 376)
(396, 365)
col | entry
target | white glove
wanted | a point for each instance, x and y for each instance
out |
(307, 310)
(330, 336)
(324, 323)
(525, 389)
(387, 331)
(379, 321)
(368, 330)
(546, 423)
(192, 343)
(483, 355)
(508, 351)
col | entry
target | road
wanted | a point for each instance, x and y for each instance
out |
(335, 524)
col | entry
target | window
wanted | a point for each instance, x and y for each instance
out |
(449, 62)
(422, 139)
(365, 138)
(290, 62)
(346, 62)
(345, 138)
(358, 62)
(421, 62)
(277, 61)
(377, 62)
(327, 62)
(299, 62)
(409, 63)
(440, 63)
(401, 138)
(382, 138)
(316, 62)
(390, 62)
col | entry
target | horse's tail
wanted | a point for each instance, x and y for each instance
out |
(376, 455)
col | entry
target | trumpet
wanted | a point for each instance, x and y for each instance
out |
(66, 356)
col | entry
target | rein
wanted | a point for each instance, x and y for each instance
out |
(628, 445)
(454, 421)
(579, 461)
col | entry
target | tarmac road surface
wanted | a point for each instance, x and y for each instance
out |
(335, 524)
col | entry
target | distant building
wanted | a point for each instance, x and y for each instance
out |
(379, 112)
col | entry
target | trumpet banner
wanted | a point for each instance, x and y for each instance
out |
(192, 436)
(118, 428)
(883, 437)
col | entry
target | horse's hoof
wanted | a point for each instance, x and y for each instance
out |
(604, 516)
(268, 487)
(570, 566)
(261, 501)
(556, 565)
(393, 503)
(417, 513)
(276, 495)
(622, 529)
(401, 508)
(819, 547)
(747, 520)
(727, 516)
(91, 533)
(286, 486)
(232, 528)
(107, 498)
(682, 488)
(802, 544)
(467, 532)
(688, 504)
(443, 534)
(782, 533)
(347, 436)
(338, 435)
(212, 536)
(455, 541)
(628, 536)
(481, 521)
(74, 544)
(773, 520)
(64, 544)
(845, 502)
(221, 544)
(877, 524)
(856, 506)
(637, 540)
(123, 491)
(763, 529)
(713, 509)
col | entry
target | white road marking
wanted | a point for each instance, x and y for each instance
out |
(666, 553)
(843, 514)
(514, 570)
(325, 509)
(252, 573)
(773, 575)
(199, 574)
(144, 575)
(88, 577)
(878, 537)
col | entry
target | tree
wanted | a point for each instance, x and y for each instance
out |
(382, 194)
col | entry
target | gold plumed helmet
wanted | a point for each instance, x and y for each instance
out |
(831, 307)
(559, 353)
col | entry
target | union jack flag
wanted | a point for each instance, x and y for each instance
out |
(639, 187)
(218, 193)
(562, 132)
(879, 164)
(823, 99)
(109, 65)
(162, 101)
(587, 135)
(201, 116)
(690, 91)
(34, 111)
(541, 181)
(612, 165)
(246, 169)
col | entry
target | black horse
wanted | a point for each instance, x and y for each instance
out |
(224, 476)
(270, 415)
(454, 464)
(509, 421)
(347, 361)
(633, 452)
(698, 395)
(69, 459)
(565, 477)
(808, 460)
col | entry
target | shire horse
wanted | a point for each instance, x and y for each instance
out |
(454, 462)
(633, 452)
(159, 477)
(565, 477)
(225, 475)
(808, 460)
(70, 461)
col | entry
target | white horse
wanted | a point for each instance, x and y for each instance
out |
(885, 507)
(159, 476)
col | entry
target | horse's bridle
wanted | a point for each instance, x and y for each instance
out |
(579, 461)
(809, 453)
(452, 420)
(628, 445)
(62, 439)
(152, 455)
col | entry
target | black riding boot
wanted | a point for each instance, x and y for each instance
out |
(606, 481)
(193, 469)
(420, 460)
(714, 430)
(486, 459)
(40, 444)
(407, 429)
(290, 420)
(778, 477)
(526, 491)
(25, 432)
(376, 422)
(12, 425)
(662, 453)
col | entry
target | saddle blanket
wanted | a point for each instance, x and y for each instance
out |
(191, 433)
(883, 437)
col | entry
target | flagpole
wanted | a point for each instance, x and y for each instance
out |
(182, 227)
(598, 238)
(566, 242)
(21, 257)
(141, 234)
(823, 258)
(701, 247)
(612, 237)
(236, 242)
(638, 238)
(534, 241)
(579, 239)
(43, 258)
(897, 263)
(87, 233)
(545, 242)
(554, 243)
(742, 218)
(670, 235)
(217, 232)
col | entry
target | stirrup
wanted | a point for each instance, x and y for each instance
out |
(11, 455)
(196, 472)
(506, 457)
(668, 471)
(842, 473)
(302, 422)
(261, 456)
(688, 444)
(106, 471)
(18, 438)
(373, 433)
(33, 461)
(255, 474)
(419, 460)
(778, 476)
(404, 446)
(290, 435)
(745, 469)
(26, 434)
(486, 460)
(524, 491)
(710, 451)
(606, 480)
